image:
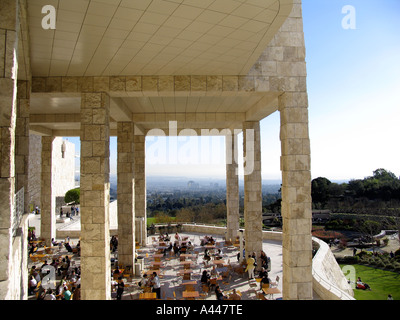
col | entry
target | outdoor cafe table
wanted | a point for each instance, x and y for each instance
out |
(271, 291)
(148, 296)
(185, 271)
(157, 264)
(50, 250)
(190, 294)
(217, 262)
(189, 284)
(158, 256)
(150, 272)
(186, 255)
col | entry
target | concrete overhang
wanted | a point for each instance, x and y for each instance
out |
(152, 37)
(169, 41)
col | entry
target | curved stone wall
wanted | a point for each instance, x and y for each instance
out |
(329, 282)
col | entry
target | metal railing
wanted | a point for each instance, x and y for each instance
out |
(18, 210)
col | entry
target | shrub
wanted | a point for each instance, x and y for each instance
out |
(350, 260)
(72, 195)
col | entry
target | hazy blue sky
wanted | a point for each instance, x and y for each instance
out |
(354, 99)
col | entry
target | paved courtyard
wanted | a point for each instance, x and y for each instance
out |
(172, 283)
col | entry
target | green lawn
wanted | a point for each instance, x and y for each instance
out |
(153, 220)
(381, 282)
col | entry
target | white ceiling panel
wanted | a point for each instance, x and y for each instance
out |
(96, 30)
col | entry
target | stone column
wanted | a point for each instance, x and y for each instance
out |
(140, 188)
(296, 196)
(47, 199)
(22, 140)
(95, 197)
(125, 187)
(232, 188)
(8, 92)
(252, 187)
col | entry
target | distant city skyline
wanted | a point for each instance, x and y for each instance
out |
(354, 105)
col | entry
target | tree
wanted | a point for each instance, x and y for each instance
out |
(384, 175)
(320, 190)
(72, 195)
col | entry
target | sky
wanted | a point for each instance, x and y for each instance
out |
(353, 87)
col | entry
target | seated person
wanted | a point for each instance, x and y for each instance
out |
(190, 246)
(144, 282)
(219, 294)
(207, 255)
(32, 284)
(176, 248)
(33, 248)
(264, 280)
(68, 247)
(183, 248)
(205, 278)
(263, 273)
(234, 296)
(218, 255)
(362, 285)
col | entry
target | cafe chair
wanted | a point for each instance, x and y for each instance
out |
(261, 296)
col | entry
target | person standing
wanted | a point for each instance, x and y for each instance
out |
(250, 266)
(156, 285)
(120, 288)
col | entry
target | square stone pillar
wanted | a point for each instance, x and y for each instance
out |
(140, 188)
(126, 195)
(296, 196)
(8, 92)
(252, 187)
(232, 187)
(95, 197)
(22, 140)
(47, 198)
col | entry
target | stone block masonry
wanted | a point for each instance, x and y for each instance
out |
(252, 188)
(232, 188)
(95, 197)
(126, 194)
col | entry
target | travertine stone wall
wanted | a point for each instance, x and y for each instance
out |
(136, 85)
(232, 187)
(95, 197)
(126, 194)
(22, 140)
(8, 113)
(63, 166)
(47, 198)
(35, 170)
(140, 186)
(287, 55)
(296, 196)
(252, 187)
